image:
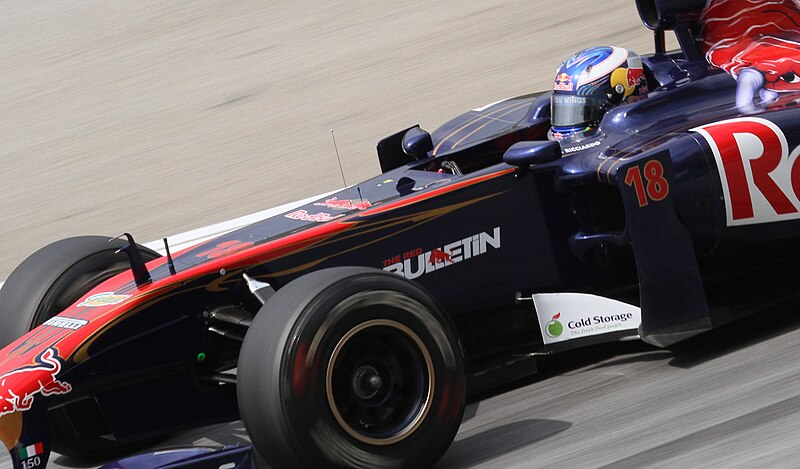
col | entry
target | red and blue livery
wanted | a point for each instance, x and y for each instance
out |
(350, 332)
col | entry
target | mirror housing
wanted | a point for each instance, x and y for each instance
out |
(405, 185)
(417, 143)
(525, 154)
(666, 14)
(390, 152)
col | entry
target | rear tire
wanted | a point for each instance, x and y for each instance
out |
(43, 285)
(351, 367)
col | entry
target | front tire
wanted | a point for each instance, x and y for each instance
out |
(43, 285)
(351, 367)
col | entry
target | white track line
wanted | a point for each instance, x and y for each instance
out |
(190, 238)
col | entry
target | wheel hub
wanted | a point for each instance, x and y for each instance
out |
(366, 382)
(380, 381)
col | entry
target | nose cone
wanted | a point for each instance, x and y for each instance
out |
(10, 429)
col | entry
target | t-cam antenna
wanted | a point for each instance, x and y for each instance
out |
(341, 169)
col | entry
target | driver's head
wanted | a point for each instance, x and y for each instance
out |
(590, 83)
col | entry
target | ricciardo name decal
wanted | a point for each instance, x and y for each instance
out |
(103, 299)
(415, 263)
(585, 146)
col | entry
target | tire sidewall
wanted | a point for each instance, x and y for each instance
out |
(50, 279)
(43, 285)
(339, 303)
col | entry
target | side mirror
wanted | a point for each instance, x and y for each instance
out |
(405, 185)
(417, 143)
(525, 154)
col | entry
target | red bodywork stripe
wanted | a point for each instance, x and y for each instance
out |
(24, 350)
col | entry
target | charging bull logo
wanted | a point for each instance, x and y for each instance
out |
(625, 80)
(437, 255)
(563, 83)
(758, 43)
(18, 387)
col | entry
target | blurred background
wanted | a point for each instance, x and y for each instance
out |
(155, 117)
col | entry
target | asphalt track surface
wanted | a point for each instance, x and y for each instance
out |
(156, 117)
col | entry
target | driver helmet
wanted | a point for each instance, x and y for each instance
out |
(590, 83)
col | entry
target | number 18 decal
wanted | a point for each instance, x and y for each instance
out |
(656, 188)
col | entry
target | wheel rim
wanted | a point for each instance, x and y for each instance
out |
(380, 381)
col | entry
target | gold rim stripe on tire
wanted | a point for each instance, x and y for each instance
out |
(421, 413)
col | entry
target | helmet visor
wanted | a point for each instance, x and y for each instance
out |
(569, 110)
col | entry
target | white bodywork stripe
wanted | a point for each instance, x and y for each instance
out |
(483, 108)
(190, 238)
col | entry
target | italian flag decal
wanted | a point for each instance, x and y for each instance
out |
(30, 451)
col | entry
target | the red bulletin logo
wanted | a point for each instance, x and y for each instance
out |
(416, 262)
(760, 178)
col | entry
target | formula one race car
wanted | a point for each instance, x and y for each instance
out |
(350, 331)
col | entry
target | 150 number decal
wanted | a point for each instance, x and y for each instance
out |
(656, 188)
(31, 463)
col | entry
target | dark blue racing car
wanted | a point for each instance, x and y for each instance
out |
(652, 197)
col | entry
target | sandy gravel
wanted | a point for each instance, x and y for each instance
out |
(155, 117)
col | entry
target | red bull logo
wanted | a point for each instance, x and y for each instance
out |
(634, 76)
(563, 83)
(321, 217)
(18, 387)
(758, 169)
(757, 40)
(345, 204)
(437, 255)
(625, 81)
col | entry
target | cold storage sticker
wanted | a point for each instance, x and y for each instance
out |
(566, 316)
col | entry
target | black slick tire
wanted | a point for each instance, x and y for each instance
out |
(43, 285)
(351, 367)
